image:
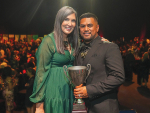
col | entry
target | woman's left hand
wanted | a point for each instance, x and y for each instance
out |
(104, 39)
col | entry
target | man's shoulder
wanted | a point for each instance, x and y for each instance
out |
(108, 44)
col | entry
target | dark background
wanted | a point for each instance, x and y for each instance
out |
(117, 18)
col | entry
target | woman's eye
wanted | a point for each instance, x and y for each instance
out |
(73, 20)
(66, 19)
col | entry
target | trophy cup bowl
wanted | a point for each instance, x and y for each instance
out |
(77, 76)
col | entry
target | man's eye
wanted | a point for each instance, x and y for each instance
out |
(90, 25)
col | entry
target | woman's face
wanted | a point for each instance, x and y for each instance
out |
(68, 24)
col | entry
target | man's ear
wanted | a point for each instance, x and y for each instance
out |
(97, 28)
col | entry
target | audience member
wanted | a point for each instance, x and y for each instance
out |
(29, 85)
(8, 88)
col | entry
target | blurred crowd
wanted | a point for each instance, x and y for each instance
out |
(135, 54)
(18, 63)
(17, 71)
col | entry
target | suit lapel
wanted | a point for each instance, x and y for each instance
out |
(92, 51)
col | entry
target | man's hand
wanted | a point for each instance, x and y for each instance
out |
(79, 86)
(80, 92)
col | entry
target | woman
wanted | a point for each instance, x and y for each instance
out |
(56, 50)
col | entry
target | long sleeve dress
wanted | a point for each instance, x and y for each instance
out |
(51, 86)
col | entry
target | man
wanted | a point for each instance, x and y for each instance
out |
(107, 72)
(129, 63)
(144, 69)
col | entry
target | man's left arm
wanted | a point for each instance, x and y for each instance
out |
(115, 73)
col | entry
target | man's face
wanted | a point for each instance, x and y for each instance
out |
(88, 29)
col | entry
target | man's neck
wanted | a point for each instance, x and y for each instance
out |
(87, 42)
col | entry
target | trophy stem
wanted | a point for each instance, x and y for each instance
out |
(79, 101)
(78, 104)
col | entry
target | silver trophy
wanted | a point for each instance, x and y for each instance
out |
(77, 75)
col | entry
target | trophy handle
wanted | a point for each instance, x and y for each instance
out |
(65, 71)
(89, 70)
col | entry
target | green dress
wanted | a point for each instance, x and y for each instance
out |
(51, 86)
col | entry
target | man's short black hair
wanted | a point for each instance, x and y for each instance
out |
(89, 15)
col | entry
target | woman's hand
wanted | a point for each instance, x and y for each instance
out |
(39, 107)
(104, 39)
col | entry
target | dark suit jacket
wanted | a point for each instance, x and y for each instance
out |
(107, 74)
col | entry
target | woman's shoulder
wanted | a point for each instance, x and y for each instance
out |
(47, 38)
(47, 43)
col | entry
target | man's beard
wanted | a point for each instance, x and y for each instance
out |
(88, 40)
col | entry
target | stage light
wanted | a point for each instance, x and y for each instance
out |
(64, 2)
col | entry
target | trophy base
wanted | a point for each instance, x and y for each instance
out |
(79, 107)
(79, 111)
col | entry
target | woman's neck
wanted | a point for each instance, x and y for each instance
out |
(65, 38)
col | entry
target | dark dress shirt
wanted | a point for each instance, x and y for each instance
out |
(85, 48)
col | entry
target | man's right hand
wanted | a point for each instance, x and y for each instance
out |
(79, 86)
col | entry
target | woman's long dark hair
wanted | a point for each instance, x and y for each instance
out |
(58, 34)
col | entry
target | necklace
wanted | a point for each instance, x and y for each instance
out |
(84, 51)
(66, 44)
